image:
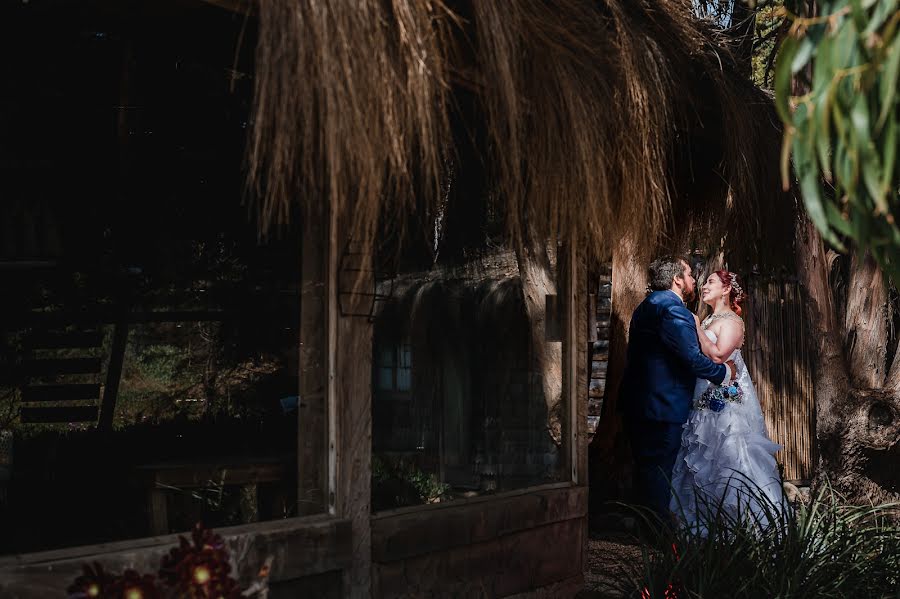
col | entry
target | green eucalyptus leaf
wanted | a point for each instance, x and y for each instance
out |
(858, 13)
(822, 67)
(823, 129)
(845, 51)
(889, 152)
(847, 127)
(838, 117)
(843, 168)
(883, 10)
(810, 179)
(783, 76)
(889, 81)
(837, 220)
(859, 126)
(801, 57)
(786, 145)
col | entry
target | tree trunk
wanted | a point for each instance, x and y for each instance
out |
(857, 393)
(609, 456)
(546, 356)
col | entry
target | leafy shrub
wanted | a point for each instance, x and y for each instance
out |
(824, 548)
(401, 483)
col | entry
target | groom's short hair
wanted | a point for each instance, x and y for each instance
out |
(663, 271)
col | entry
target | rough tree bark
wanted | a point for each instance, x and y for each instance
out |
(546, 356)
(609, 456)
(857, 383)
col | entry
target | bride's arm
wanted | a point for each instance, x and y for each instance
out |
(730, 337)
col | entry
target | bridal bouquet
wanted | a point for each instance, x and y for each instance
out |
(716, 397)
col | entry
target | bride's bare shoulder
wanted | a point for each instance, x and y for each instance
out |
(731, 329)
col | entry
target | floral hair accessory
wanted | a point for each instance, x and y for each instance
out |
(738, 290)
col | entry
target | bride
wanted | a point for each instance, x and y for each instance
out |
(726, 461)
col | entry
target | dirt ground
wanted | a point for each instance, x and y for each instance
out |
(606, 550)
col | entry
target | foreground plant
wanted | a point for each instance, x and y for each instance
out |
(196, 569)
(836, 89)
(821, 549)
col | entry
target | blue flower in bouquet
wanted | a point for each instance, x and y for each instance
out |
(716, 398)
(716, 404)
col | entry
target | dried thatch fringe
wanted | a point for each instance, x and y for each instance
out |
(583, 103)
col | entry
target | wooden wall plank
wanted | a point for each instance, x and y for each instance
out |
(465, 522)
(300, 548)
(521, 562)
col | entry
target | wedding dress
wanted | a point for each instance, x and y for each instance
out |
(726, 461)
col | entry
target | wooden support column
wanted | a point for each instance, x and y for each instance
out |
(312, 451)
(350, 294)
(572, 356)
(575, 374)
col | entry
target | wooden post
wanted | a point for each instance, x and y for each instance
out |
(573, 295)
(159, 514)
(568, 271)
(113, 375)
(349, 389)
(312, 440)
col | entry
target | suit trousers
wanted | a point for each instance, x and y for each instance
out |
(654, 447)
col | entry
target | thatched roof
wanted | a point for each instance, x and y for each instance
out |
(593, 119)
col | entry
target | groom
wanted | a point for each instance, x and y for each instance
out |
(664, 361)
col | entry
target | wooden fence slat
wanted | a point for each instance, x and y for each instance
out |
(780, 365)
(50, 367)
(71, 392)
(60, 415)
(79, 340)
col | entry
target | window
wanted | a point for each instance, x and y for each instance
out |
(481, 384)
(394, 371)
(150, 354)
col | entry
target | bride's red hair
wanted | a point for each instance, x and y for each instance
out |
(737, 295)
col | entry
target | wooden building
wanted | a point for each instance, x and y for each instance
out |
(373, 363)
(126, 235)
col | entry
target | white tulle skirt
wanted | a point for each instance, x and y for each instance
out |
(726, 463)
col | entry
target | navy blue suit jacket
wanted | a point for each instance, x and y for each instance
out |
(664, 360)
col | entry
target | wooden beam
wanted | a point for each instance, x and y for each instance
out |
(54, 366)
(244, 7)
(96, 317)
(58, 415)
(301, 546)
(192, 476)
(78, 340)
(73, 392)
